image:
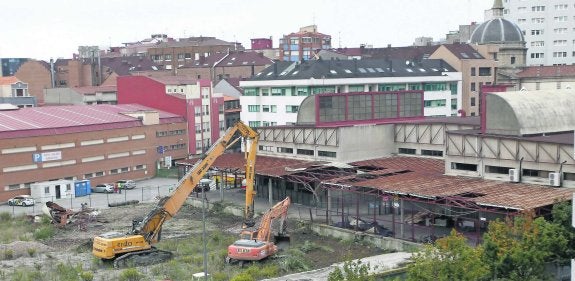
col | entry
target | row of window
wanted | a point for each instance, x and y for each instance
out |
(170, 133)
(505, 171)
(113, 171)
(255, 124)
(180, 56)
(309, 152)
(483, 71)
(272, 108)
(306, 91)
(425, 152)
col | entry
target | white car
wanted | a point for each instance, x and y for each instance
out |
(103, 188)
(126, 184)
(22, 200)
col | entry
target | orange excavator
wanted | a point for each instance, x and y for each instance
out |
(136, 246)
(257, 245)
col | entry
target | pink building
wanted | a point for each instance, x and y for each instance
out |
(193, 99)
(261, 43)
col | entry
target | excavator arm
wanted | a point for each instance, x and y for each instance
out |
(279, 210)
(151, 225)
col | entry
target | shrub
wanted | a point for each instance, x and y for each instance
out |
(8, 254)
(44, 232)
(87, 276)
(5, 217)
(131, 274)
(219, 276)
(243, 277)
(31, 251)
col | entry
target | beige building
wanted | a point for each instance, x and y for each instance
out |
(476, 71)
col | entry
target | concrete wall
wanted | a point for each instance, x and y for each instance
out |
(378, 139)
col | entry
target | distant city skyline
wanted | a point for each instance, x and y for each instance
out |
(54, 29)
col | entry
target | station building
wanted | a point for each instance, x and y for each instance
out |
(102, 143)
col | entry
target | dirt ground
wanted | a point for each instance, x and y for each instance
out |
(72, 243)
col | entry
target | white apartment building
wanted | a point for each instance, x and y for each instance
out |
(273, 96)
(549, 29)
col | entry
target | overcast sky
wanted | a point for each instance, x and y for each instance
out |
(44, 29)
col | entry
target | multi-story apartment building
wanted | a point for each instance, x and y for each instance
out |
(302, 45)
(171, 55)
(549, 29)
(9, 66)
(190, 98)
(273, 96)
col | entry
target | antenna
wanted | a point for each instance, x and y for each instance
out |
(339, 39)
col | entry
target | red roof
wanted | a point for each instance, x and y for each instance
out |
(547, 71)
(53, 120)
(8, 80)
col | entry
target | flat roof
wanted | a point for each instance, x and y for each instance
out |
(52, 120)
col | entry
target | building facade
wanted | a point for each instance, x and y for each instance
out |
(9, 66)
(273, 97)
(102, 143)
(190, 98)
(548, 27)
(82, 95)
(303, 44)
(15, 92)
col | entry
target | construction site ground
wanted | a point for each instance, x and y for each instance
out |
(70, 247)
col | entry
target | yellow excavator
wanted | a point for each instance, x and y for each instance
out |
(136, 247)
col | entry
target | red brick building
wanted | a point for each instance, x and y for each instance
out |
(190, 98)
(103, 143)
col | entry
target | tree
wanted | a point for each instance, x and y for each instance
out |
(450, 258)
(352, 271)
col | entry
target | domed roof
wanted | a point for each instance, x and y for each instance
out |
(497, 30)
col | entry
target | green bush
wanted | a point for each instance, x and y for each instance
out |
(31, 251)
(219, 276)
(5, 217)
(87, 276)
(131, 274)
(8, 254)
(243, 277)
(44, 232)
(67, 271)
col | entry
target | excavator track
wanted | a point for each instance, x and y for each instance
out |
(142, 258)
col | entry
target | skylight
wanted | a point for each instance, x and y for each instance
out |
(476, 55)
(379, 69)
(434, 69)
(332, 71)
(370, 70)
(295, 72)
(422, 70)
(362, 70)
(270, 73)
(245, 62)
(464, 55)
(347, 71)
(154, 67)
(409, 70)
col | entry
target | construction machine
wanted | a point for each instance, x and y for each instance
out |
(257, 245)
(136, 246)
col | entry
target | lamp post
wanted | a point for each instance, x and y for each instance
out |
(204, 233)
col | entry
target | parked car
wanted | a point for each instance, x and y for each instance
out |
(205, 185)
(22, 200)
(126, 184)
(103, 188)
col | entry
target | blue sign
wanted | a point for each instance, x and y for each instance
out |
(37, 157)
(160, 149)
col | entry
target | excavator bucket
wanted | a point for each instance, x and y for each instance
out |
(282, 240)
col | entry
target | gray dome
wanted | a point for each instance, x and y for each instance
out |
(497, 30)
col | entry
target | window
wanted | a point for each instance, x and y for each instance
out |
(435, 103)
(406, 150)
(391, 87)
(472, 101)
(535, 173)
(168, 57)
(537, 20)
(561, 7)
(560, 19)
(559, 42)
(562, 30)
(266, 148)
(254, 124)
(537, 43)
(265, 108)
(332, 108)
(198, 128)
(356, 88)
(305, 152)
(435, 87)
(538, 8)
(197, 110)
(410, 104)
(497, 170)
(463, 166)
(453, 104)
(292, 108)
(359, 107)
(485, 71)
(302, 91)
(537, 32)
(326, 154)
(537, 55)
(253, 108)
(385, 106)
(285, 150)
(473, 71)
(13, 186)
(473, 86)
(437, 153)
(512, 60)
(251, 92)
(559, 54)
(521, 9)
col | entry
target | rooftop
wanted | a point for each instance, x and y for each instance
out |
(320, 69)
(92, 90)
(50, 120)
(547, 71)
(8, 80)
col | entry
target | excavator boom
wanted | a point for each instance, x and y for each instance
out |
(146, 232)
